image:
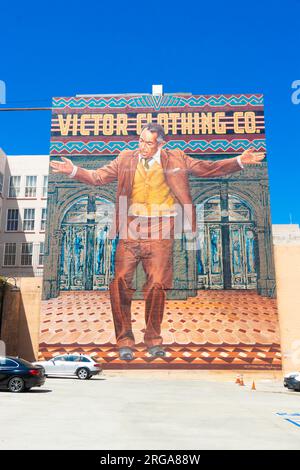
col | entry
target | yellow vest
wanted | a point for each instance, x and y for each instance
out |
(151, 196)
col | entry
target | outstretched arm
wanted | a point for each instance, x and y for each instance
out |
(103, 175)
(224, 167)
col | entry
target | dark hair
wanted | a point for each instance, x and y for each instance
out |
(158, 129)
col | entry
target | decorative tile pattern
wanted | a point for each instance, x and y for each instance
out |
(180, 357)
(158, 102)
(208, 145)
(216, 329)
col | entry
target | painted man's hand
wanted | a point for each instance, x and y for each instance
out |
(250, 157)
(66, 166)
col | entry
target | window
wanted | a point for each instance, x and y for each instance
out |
(84, 359)
(73, 358)
(45, 186)
(10, 250)
(14, 186)
(44, 218)
(237, 210)
(41, 255)
(12, 220)
(28, 221)
(5, 362)
(26, 254)
(30, 188)
(23, 362)
(59, 358)
(1, 182)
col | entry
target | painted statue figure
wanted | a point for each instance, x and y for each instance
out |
(101, 244)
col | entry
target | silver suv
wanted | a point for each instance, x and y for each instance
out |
(84, 367)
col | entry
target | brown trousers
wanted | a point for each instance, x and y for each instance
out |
(156, 257)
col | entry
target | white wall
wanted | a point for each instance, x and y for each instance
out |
(23, 165)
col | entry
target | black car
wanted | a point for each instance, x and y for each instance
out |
(292, 381)
(18, 375)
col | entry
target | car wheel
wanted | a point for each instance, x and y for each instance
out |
(16, 385)
(83, 373)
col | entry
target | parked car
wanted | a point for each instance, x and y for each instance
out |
(18, 375)
(80, 365)
(292, 381)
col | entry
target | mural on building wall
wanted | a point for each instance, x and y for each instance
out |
(136, 290)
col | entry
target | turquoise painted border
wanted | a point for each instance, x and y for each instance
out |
(157, 102)
(192, 145)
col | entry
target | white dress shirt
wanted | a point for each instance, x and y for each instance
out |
(152, 160)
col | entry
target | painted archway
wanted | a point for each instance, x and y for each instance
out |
(87, 253)
(226, 244)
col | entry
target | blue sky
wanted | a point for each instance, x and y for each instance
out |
(63, 48)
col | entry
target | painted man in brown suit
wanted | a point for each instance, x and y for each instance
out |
(152, 183)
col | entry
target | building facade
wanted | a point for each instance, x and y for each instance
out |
(234, 243)
(220, 312)
(23, 184)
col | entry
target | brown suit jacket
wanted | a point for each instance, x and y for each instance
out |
(177, 167)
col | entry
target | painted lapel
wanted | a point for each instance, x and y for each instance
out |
(132, 168)
(164, 157)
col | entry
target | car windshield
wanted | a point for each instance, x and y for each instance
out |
(24, 362)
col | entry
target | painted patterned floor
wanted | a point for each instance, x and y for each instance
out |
(215, 330)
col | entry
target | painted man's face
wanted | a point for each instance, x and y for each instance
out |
(148, 144)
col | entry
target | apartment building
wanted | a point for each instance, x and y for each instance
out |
(23, 211)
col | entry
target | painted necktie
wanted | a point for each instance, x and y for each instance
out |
(146, 162)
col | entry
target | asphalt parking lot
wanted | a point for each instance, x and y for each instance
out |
(149, 411)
